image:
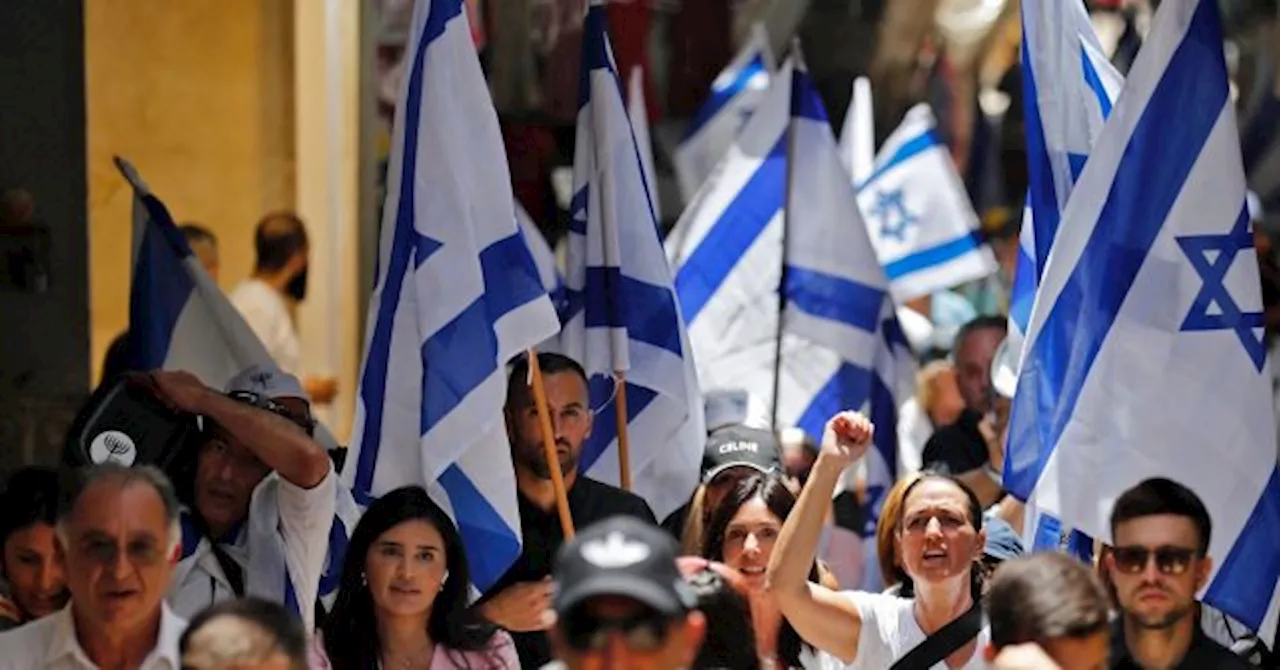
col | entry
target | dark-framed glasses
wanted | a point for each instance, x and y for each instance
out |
(1169, 560)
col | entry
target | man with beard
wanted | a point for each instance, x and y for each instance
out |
(1158, 564)
(269, 298)
(521, 601)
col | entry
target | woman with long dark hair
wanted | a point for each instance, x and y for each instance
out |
(741, 534)
(34, 584)
(403, 599)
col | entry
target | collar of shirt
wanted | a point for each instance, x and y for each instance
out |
(164, 654)
(1202, 653)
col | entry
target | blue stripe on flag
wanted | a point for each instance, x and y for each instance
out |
(1048, 535)
(850, 386)
(835, 298)
(1148, 181)
(1247, 577)
(595, 53)
(491, 546)
(722, 96)
(441, 12)
(1022, 296)
(448, 377)
(373, 384)
(646, 311)
(604, 428)
(884, 412)
(339, 537)
(933, 256)
(161, 288)
(805, 102)
(1095, 83)
(910, 149)
(733, 234)
(1041, 191)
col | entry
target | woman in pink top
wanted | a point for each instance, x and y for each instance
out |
(402, 604)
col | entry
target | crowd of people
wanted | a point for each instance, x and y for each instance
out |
(217, 562)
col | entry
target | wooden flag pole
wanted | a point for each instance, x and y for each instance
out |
(549, 444)
(624, 443)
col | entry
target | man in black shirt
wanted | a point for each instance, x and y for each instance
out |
(521, 601)
(1158, 564)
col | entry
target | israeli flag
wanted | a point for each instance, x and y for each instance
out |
(921, 220)
(1064, 118)
(457, 295)
(735, 93)
(832, 298)
(1144, 354)
(180, 320)
(858, 137)
(624, 318)
(638, 112)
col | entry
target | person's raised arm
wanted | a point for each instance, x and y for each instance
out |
(822, 617)
(281, 444)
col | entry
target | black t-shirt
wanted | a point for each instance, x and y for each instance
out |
(674, 523)
(957, 448)
(589, 501)
(1203, 654)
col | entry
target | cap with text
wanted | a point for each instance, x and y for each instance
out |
(622, 556)
(740, 445)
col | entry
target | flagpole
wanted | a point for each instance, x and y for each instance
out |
(549, 444)
(624, 442)
(782, 274)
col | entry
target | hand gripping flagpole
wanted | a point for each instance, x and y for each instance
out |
(549, 444)
(624, 443)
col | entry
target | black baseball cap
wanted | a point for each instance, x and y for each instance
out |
(740, 445)
(622, 556)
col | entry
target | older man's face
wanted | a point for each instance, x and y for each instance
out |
(618, 633)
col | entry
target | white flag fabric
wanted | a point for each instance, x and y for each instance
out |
(457, 295)
(1064, 118)
(1144, 354)
(728, 249)
(638, 112)
(735, 93)
(180, 320)
(623, 314)
(921, 220)
(858, 137)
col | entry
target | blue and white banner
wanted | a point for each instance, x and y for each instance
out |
(180, 320)
(457, 295)
(1064, 117)
(1144, 354)
(729, 251)
(624, 317)
(733, 99)
(638, 112)
(920, 218)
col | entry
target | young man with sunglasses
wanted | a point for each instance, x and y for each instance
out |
(1159, 561)
(621, 601)
(260, 493)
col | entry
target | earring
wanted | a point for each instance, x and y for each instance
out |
(445, 578)
(364, 579)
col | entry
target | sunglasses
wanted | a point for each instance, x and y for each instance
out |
(263, 402)
(1169, 560)
(642, 633)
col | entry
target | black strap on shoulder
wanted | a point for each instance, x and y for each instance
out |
(944, 642)
(230, 569)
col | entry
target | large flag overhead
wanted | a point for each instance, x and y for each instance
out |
(1064, 118)
(638, 112)
(623, 315)
(733, 98)
(832, 298)
(457, 295)
(921, 220)
(1144, 353)
(180, 320)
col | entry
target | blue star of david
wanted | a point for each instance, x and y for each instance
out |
(423, 248)
(1248, 326)
(891, 210)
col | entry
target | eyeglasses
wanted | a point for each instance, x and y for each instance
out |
(269, 404)
(643, 633)
(1169, 560)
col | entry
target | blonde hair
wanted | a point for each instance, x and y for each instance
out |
(927, 383)
(886, 546)
(691, 534)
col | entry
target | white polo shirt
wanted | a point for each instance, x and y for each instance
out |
(51, 644)
(281, 550)
(267, 314)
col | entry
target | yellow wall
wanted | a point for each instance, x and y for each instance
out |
(198, 94)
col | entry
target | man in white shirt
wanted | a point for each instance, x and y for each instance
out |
(278, 284)
(261, 496)
(118, 530)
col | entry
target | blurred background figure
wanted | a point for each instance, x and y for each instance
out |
(1051, 601)
(34, 582)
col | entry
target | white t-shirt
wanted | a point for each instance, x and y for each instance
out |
(267, 314)
(51, 643)
(890, 631)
